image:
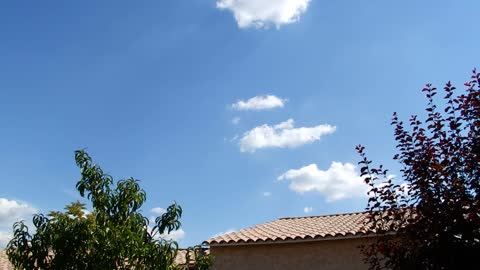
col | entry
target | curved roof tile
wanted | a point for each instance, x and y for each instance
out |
(297, 228)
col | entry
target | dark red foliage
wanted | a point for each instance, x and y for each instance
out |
(430, 220)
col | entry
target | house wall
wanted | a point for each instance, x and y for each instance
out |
(325, 255)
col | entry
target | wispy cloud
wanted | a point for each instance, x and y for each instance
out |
(259, 103)
(234, 138)
(158, 210)
(282, 135)
(236, 120)
(267, 194)
(307, 209)
(340, 181)
(223, 233)
(263, 13)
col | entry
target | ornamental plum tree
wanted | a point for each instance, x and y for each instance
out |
(432, 219)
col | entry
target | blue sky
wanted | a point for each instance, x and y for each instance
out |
(150, 87)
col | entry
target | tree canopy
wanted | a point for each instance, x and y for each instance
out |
(431, 219)
(114, 235)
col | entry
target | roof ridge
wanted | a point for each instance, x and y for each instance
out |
(326, 215)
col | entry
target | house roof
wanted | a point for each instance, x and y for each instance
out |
(297, 229)
(4, 263)
(180, 259)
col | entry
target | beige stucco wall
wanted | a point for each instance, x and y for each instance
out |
(324, 255)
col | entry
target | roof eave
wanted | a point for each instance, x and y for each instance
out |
(290, 241)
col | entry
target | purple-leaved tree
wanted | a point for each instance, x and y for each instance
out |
(431, 219)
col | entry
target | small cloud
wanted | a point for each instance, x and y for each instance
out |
(307, 210)
(236, 120)
(223, 233)
(234, 138)
(174, 235)
(402, 190)
(86, 212)
(391, 176)
(263, 13)
(158, 211)
(340, 181)
(10, 212)
(259, 103)
(282, 135)
(267, 194)
(405, 188)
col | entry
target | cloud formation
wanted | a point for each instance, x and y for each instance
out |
(340, 181)
(283, 135)
(267, 194)
(10, 212)
(259, 103)
(223, 233)
(158, 211)
(308, 209)
(236, 120)
(174, 235)
(263, 13)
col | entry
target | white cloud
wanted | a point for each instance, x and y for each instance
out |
(259, 103)
(223, 233)
(283, 135)
(263, 13)
(10, 212)
(86, 212)
(340, 181)
(403, 189)
(267, 194)
(308, 209)
(158, 211)
(236, 120)
(174, 235)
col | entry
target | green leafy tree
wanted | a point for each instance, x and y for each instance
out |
(432, 219)
(115, 235)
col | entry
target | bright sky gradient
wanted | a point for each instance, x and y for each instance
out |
(243, 111)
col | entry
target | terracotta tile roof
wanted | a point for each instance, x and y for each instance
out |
(181, 258)
(4, 263)
(297, 228)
